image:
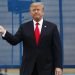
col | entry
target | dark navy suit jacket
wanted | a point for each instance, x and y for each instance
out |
(43, 58)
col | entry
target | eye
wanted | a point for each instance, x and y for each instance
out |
(34, 10)
(38, 9)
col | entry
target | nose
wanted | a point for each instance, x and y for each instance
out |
(36, 11)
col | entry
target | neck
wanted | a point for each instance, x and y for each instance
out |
(37, 20)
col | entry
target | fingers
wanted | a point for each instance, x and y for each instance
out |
(58, 71)
(2, 29)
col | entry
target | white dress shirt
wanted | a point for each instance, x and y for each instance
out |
(40, 24)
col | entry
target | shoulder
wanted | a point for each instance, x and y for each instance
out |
(49, 24)
(26, 24)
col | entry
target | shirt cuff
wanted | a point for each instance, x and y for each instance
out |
(3, 35)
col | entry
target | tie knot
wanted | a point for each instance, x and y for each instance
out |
(37, 23)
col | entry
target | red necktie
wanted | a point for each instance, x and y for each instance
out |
(37, 33)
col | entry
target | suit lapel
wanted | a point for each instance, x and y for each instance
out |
(43, 31)
(31, 31)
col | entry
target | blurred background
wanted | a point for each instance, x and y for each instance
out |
(15, 12)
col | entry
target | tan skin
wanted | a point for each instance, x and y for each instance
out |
(37, 12)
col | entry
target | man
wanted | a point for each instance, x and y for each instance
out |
(41, 56)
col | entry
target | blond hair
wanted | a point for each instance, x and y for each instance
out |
(37, 3)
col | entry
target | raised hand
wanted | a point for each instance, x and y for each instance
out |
(2, 29)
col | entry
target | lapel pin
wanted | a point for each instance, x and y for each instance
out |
(45, 26)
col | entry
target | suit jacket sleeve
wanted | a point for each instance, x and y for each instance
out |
(57, 49)
(13, 39)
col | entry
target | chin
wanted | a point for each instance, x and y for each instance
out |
(37, 18)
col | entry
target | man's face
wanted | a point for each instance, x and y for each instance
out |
(37, 12)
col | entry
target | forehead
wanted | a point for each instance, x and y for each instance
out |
(36, 6)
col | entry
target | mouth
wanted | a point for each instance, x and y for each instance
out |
(37, 19)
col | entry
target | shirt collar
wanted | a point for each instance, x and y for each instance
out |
(40, 22)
